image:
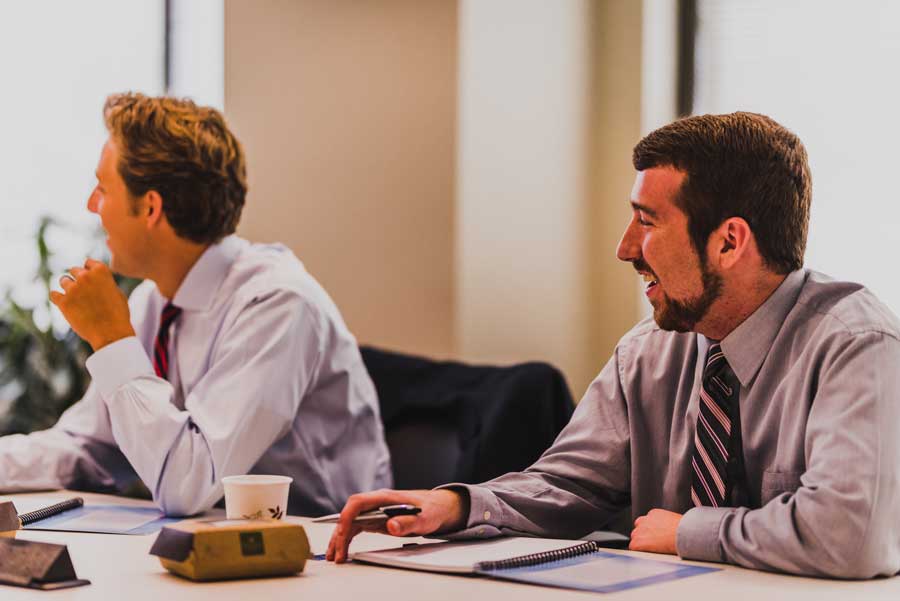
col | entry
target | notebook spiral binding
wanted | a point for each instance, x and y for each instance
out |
(50, 511)
(534, 559)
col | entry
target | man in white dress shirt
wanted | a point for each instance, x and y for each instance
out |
(228, 359)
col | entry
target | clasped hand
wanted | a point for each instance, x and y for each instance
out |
(656, 532)
(94, 306)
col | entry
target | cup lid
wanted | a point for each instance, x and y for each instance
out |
(250, 479)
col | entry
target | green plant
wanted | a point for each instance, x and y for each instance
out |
(42, 371)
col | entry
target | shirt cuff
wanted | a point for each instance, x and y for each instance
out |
(118, 363)
(484, 513)
(698, 534)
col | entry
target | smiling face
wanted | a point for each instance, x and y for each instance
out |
(125, 228)
(680, 284)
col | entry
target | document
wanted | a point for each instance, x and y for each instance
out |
(547, 562)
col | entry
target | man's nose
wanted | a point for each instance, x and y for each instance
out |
(93, 201)
(629, 247)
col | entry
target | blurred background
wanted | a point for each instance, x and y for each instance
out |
(455, 172)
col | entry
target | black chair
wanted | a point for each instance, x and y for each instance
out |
(449, 422)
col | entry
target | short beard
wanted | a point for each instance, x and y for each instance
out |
(682, 316)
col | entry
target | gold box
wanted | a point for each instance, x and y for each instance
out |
(224, 549)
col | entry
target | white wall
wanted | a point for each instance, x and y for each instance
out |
(56, 74)
(834, 85)
(197, 40)
(549, 109)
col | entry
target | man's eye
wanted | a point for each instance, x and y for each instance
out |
(643, 221)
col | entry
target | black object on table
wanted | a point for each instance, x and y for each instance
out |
(42, 566)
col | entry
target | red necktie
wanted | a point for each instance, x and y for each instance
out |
(161, 348)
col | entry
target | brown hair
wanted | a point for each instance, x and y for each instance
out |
(738, 165)
(185, 153)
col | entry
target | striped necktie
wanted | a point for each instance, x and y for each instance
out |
(161, 347)
(712, 437)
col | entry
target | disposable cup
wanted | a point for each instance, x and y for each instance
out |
(256, 497)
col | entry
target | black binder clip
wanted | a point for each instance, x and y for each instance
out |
(41, 566)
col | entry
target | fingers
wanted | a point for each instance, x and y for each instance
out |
(636, 534)
(440, 508)
(346, 529)
(70, 277)
(94, 264)
(335, 543)
(656, 532)
(56, 297)
(403, 525)
(637, 542)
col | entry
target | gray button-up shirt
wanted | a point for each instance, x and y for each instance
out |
(819, 368)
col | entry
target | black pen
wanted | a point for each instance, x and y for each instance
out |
(382, 513)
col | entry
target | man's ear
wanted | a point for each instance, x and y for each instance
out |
(152, 208)
(732, 241)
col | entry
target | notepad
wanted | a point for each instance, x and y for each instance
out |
(547, 562)
(101, 519)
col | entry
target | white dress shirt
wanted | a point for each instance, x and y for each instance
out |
(264, 377)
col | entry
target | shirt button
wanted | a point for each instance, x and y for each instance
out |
(481, 532)
(487, 515)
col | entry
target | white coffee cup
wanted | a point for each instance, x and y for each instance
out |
(256, 497)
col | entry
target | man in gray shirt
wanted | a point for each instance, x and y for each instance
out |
(754, 420)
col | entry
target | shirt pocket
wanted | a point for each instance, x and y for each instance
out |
(775, 483)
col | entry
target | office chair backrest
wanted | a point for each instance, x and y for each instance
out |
(451, 422)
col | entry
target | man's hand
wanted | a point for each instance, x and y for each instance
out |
(442, 510)
(655, 532)
(93, 305)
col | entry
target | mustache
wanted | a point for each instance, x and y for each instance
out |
(641, 265)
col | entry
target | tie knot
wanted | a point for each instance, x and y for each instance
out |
(161, 347)
(169, 314)
(715, 357)
(716, 362)
(718, 370)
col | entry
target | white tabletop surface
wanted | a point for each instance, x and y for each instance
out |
(119, 567)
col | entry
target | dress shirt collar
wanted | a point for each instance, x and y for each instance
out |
(199, 288)
(747, 345)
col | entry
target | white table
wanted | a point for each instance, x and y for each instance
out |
(119, 567)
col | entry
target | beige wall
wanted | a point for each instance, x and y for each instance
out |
(616, 296)
(347, 112)
(455, 173)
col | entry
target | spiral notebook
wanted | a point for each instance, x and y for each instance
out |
(73, 515)
(547, 562)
